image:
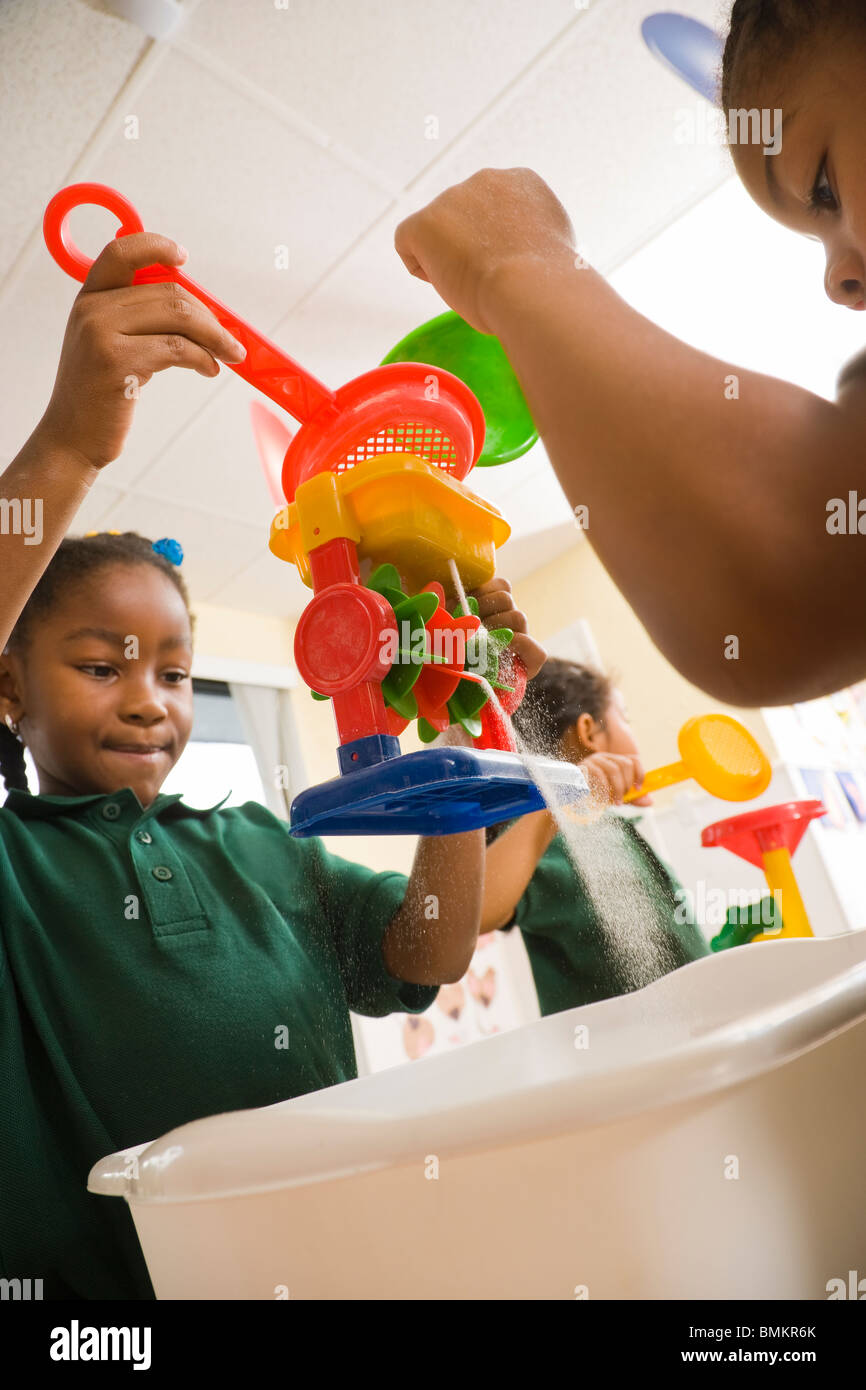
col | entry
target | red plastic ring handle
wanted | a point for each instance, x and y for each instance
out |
(56, 231)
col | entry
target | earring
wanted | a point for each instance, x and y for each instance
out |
(11, 724)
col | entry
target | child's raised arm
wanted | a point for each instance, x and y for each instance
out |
(117, 336)
(707, 505)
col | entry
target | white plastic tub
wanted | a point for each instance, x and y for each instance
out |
(564, 1171)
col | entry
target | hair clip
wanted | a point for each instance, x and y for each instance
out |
(170, 549)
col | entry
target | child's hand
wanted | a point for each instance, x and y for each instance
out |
(496, 609)
(612, 775)
(471, 230)
(117, 336)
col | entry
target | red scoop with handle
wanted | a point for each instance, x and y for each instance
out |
(392, 409)
(265, 366)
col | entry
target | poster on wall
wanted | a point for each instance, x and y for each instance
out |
(822, 784)
(482, 1003)
(852, 786)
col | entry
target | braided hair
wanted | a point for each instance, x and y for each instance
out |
(766, 33)
(76, 558)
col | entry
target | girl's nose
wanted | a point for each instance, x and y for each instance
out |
(143, 703)
(845, 279)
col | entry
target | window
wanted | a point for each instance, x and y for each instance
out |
(217, 758)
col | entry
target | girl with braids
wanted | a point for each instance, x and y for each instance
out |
(573, 712)
(158, 963)
(712, 516)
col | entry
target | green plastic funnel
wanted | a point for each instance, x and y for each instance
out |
(479, 360)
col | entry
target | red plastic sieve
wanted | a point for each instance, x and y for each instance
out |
(404, 408)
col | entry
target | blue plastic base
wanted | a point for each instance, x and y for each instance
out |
(437, 791)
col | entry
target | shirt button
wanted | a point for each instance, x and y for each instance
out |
(144, 837)
(111, 811)
(160, 871)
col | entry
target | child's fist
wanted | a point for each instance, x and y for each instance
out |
(465, 235)
(612, 775)
(117, 336)
(496, 609)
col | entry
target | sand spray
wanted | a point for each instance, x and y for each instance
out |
(633, 917)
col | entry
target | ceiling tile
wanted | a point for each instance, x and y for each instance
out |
(214, 462)
(381, 77)
(599, 122)
(233, 184)
(366, 305)
(214, 549)
(268, 585)
(100, 500)
(34, 321)
(47, 52)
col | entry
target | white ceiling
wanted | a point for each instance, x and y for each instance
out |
(308, 127)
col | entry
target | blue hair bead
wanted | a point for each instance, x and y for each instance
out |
(172, 550)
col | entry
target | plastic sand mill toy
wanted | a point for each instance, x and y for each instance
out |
(769, 839)
(720, 755)
(374, 478)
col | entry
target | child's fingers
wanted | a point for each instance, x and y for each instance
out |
(619, 778)
(496, 609)
(164, 350)
(117, 262)
(491, 586)
(494, 598)
(531, 653)
(612, 775)
(169, 309)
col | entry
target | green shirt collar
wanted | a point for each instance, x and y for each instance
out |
(28, 806)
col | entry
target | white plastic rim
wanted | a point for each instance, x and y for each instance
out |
(711, 1025)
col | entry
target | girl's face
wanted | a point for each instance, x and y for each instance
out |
(611, 734)
(107, 672)
(816, 183)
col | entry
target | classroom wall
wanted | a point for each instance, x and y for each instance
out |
(240, 636)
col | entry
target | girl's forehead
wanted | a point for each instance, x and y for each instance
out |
(132, 598)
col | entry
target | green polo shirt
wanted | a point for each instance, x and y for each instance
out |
(158, 966)
(575, 959)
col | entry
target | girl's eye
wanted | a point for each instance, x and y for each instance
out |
(97, 666)
(822, 198)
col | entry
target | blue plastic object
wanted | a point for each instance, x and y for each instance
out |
(171, 549)
(437, 791)
(690, 49)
